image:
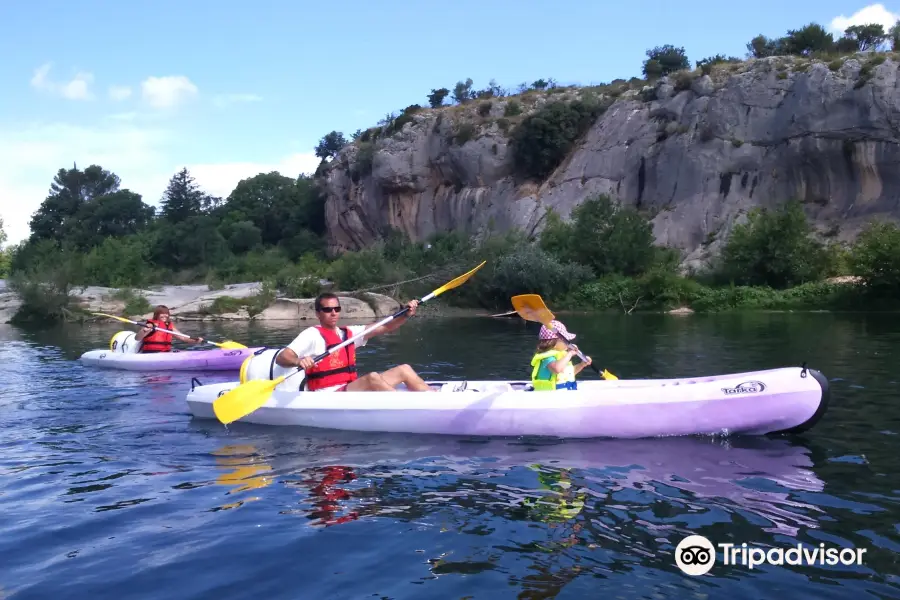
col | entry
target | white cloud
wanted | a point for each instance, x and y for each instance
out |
(78, 88)
(169, 91)
(220, 179)
(874, 13)
(223, 100)
(119, 92)
(144, 157)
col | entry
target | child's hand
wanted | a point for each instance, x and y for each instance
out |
(587, 360)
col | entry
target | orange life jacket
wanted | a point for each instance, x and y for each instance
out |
(157, 341)
(336, 368)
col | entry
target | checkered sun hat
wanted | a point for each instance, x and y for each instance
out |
(546, 334)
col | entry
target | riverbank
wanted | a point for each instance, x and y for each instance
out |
(252, 301)
(258, 301)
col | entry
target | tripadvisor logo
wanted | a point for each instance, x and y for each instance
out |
(695, 555)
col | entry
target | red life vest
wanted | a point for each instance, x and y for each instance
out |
(157, 341)
(336, 368)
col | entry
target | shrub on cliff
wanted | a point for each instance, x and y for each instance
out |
(773, 248)
(330, 144)
(545, 138)
(602, 236)
(876, 259)
(436, 97)
(663, 60)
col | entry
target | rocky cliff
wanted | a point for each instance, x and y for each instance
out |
(695, 150)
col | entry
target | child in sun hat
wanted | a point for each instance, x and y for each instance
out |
(552, 367)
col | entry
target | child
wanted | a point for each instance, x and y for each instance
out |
(552, 367)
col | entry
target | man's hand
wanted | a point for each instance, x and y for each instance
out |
(412, 304)
(305, 362)
(199, 340)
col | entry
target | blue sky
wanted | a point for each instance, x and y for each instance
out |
(230, 89)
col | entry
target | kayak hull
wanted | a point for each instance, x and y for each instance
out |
(750, 403)
(182, 360)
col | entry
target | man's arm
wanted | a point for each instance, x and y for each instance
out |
(298, 353)
(393, 325)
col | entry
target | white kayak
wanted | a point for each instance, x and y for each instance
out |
(789, 399)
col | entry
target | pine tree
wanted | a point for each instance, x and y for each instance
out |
(182, 199)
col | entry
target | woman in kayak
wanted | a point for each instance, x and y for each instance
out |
(552, 367)
(152, 340)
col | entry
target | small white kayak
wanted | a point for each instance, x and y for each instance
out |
(786, 400)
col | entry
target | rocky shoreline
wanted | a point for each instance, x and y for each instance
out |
(194, 303)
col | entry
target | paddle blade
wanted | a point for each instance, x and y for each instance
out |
(229, 345)
(456, 282)
(531, 307)
(607, 375)
(244, 399)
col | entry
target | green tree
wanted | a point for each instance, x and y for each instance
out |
(56, 218)
(5, 253)
(774, 248)
(117, 214)
(183, 198)
(436, 97)
(876, 258)
(244, 236)
(866, 37)
(462, 91)
(330, 144)
(808, 39)
(602, 236)
(663, 60)
(763, 47)
(279, 207)
(894, 36)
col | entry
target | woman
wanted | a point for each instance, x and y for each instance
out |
(153, 340)
(552, 367)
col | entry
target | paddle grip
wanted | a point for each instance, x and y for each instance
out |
(577, 352)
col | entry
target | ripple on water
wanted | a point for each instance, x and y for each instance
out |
(108, 489)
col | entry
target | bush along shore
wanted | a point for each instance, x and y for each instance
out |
(604, 258)
(271, 229)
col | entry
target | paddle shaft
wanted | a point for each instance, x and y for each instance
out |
(362, 333)
(179, 334)
(577, 352)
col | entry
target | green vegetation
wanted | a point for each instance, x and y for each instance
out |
(90, 231)
(270, 228)
(542, 134)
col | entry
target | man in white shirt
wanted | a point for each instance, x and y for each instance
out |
(337, 372)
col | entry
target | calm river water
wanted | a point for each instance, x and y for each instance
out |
(108, 488)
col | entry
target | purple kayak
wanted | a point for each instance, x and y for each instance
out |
(790, 399)
(123, 353)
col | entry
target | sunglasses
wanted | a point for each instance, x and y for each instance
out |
(330, 309)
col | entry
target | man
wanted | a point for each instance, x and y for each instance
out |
(337, 372)
(152, 340)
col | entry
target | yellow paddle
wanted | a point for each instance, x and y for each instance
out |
(226, 345)
(249, 396)
(531, 307)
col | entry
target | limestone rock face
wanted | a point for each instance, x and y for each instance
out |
(697, 157)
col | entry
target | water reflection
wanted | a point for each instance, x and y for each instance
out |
(100, 466)
(245, 471)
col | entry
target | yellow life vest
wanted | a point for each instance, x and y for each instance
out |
(564, 380)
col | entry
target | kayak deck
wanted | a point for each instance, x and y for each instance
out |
(177, 360)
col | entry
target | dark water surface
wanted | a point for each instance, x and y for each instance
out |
(108, 488)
